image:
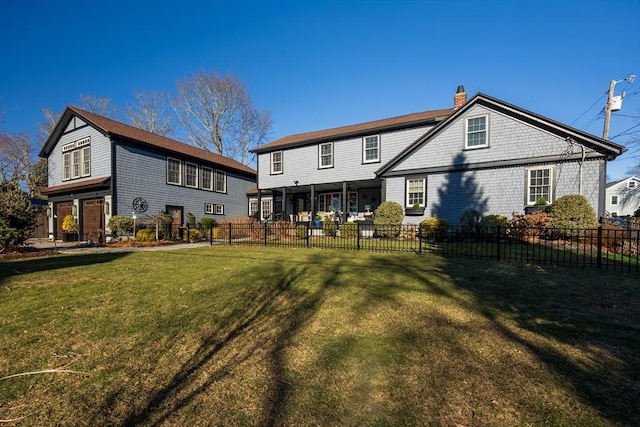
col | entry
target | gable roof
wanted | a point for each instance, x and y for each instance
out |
(607, 148)
(612, 183)
(405, 121)
(120, 130)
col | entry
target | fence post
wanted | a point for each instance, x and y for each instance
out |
(498, 236)
(420, 238)
(188, 233)
(229, 233)
(210, 234)
(357, 234)
(599, 261)
(307, 224)
(265, 233)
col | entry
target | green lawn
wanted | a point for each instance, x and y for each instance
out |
(285, 336)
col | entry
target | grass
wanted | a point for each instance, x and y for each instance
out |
(282, 336)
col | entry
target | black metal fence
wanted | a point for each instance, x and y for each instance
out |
(606, 247)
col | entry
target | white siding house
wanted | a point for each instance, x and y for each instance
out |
(623, 197)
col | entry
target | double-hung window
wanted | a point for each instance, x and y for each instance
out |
(191, 175)
(276, 162)
(371, 149)
(213, 209)
(174, 171)
(415, 192)
(207, 178)
(539, 185)
(76, 159)
(325, 155)
(614, 200)
(220, 181)
(631, 184)
(476, 135)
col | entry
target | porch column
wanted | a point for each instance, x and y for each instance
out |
(284, 203)
(259, 205)
(312, 202)
(345, 202)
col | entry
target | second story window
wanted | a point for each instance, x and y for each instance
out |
(76, 159)
(174, 171)
(476, 135)
(371, 149)
(207, 178)
(614, 200)
(325, 159)
(220, 182)
(191, 175)
(276, 162)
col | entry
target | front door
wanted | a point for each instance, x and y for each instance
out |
(176, 213)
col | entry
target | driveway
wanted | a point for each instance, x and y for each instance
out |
(80, 247)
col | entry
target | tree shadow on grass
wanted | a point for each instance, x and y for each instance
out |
(9, 269)
(264, 318)
(556, 312)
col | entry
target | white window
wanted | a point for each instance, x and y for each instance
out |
(614, 214)
(476, 135)
(76, 159)
(75, 166)
(221, 182)
(325, 159)
(66, 166)
(332, 202)
(86, 161)
(265, 211)
(213, 209)
(614, 200)
(415, 192)
(276, 162)
(539, 185)
(207, 178)
(174, 171)
(631, 184)
(191, 175)
(253, 207)
(371, 149)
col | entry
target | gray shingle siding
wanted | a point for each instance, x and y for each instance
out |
(301, 163)
(142, 173)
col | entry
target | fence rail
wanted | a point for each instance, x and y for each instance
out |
(603, 247)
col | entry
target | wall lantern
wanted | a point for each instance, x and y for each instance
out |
(74, 210)
(48, 212)
(106, 208)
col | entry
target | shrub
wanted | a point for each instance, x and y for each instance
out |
(191, 219)
(301, 231)
(146, 235)
(433, 228)
(17, 217)
(572, 211)
(529, 226)
(491, 226)
(470, 218)
(207, 223)
(349, 230)
(388, 219)
(69, 224)
(329, 227)
(195, 235)
(120, 224)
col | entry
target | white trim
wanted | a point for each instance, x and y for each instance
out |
(549, 199)
(279, 162)
(616, 198)
(408, 202)
(484, 130)
(179, 163)
(320, 155)
(213, 209)
(364, 149)
(215, 181)
(187, 166)
(204, 169)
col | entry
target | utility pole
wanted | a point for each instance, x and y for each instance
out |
(610, 103)
(607, 110)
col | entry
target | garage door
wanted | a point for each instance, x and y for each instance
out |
(62, 209)
(93, 219)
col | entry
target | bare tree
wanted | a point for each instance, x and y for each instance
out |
(15, 156)
(46, 125)
(100, 106)
(218, 115)
(151, 112)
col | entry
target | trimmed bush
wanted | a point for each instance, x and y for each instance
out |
(433, 228)
(572, 211)
(120, 224)
(301, 231)
(207, 223)
(349, 230)
(388, 219)
(146, 235)
(195, 235)
(329, 227)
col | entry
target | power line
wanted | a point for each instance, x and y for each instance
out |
(598, 100)
(626, 132)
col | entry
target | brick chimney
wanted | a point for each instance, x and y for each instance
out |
(460, 98)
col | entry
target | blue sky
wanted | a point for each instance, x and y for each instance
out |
(322, 64)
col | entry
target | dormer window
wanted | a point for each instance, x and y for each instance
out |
(476, 135)
(631, 184)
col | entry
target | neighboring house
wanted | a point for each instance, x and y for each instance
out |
(100, 167)
(623, 197)
(483, 154)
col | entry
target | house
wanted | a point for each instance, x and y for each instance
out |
(99, 167)
(482, 154)
(623, 197)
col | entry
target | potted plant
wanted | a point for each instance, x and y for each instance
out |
(415, 210)
(318, 222)
(70, 228)
(541, 205)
